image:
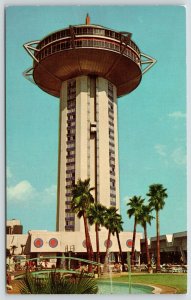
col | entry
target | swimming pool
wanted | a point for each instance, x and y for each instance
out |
(105, 287)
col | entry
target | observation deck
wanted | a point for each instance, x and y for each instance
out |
(86, 50)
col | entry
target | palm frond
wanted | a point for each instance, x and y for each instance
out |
(157, 194)
(55, 283)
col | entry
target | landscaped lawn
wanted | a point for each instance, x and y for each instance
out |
(178, 281)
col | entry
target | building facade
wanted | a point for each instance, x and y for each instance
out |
(45, 244)
(173, 248)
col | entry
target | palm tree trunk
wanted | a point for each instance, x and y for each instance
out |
(13, 249)
(107, 253)
(88, 243)
(120, 251)
(22, 249)
(97, 247)
(158, 242)
(133, 245)
(147, 249)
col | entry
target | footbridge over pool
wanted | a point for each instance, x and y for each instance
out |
(64, 265)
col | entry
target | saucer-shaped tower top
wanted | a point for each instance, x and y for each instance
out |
(87, 50)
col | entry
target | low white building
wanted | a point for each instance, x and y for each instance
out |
(42, 243)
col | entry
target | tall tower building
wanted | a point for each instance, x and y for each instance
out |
(87, 67)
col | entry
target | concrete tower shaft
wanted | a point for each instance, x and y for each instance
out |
(88, 145)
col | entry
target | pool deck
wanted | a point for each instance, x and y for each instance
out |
(161, 289)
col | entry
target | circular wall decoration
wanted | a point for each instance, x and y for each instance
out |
(38, 243)
(53, 243)
(84, 244)
(129, 243)
(110, 243)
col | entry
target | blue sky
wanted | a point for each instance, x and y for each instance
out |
(152, 119)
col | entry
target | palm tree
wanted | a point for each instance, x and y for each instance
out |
(8, 253)
(81, 201)
(110, 220)
(95, 216)
(13, 248)
(144, 218)
(157, 194)
(55, 284)
(135, 204)
(118, 229)
(22, 248)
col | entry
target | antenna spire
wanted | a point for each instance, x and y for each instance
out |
(87, 20)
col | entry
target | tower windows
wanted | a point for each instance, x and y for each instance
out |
(70, 150)
(111, 145)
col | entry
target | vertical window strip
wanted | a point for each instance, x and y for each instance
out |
(111, 144)
(97, 139)
(70, 155)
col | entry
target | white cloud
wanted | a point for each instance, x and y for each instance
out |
(24, 191)
(161, 149)
(49, 194)
(176, 156)
(21, 191)
(179, 156)
(177, 115)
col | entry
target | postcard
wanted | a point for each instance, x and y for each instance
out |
(96, 194)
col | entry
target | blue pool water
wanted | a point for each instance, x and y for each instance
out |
(122, 288)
